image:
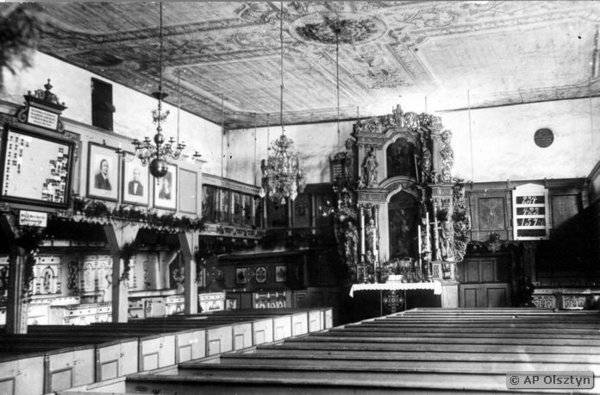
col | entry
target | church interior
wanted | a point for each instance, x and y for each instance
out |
(299, 197)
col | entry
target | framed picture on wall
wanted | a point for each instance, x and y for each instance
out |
(36, 169)
(165, 190)
(188, 191)
(136, 183)
(103, 172)
(280, 274)
(241, 275)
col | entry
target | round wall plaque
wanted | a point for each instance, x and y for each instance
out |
(543, 137)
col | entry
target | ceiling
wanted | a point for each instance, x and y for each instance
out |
(227, 55)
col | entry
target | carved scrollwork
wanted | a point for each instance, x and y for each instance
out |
(544, 301)
(461, 222)
(447, 155)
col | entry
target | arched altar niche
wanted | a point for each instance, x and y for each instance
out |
(401, 158)
(403, 211)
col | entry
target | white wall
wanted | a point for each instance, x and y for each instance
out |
(497, 144)
(314, 144)
(133, 116)
(503, 148)
(500, 139)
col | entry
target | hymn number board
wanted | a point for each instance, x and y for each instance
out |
(530, 212)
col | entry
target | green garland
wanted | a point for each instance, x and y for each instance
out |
(95, 208)
(127, 252)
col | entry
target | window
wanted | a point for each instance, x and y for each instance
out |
(102, 106)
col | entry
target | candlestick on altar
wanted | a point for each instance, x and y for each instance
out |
(419, 242)
(436, 240)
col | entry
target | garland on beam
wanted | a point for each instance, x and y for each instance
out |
(126, 213)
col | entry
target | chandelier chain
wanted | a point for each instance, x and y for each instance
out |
(283, 177)
(156, 152)
(281, 42)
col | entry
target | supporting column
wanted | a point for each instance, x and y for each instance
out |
(187, 242)
(120, 290)
(18, 307)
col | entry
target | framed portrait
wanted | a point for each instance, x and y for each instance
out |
(103, 172)
(188, 191)
(136, 183)
(165, 190)
(302, 211)
(280, 274)
(241, 275)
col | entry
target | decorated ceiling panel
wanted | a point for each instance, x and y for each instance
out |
(501, 52)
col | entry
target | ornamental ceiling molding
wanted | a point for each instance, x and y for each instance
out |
(388, 50)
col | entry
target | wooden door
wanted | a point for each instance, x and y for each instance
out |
(484, 281)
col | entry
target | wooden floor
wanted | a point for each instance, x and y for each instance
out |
(422, 351)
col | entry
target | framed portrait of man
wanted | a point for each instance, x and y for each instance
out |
(165, 190)
(136, 182)
(103, 172)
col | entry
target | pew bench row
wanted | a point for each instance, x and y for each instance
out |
(54, 358)
(416, 352)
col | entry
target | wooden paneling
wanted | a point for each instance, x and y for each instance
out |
(484, 295)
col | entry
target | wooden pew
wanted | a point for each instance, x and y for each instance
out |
(21, 374)
(416, 352)
(64, 365)
(225, 379)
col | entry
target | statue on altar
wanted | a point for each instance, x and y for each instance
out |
(446, 234)
(425, 162)
(350, 244)
(371, 236)
(370, 167)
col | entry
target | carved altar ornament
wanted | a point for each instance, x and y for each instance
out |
(461, 222)
(447, 155)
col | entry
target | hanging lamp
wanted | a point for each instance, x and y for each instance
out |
(157, 152)
(282, 174)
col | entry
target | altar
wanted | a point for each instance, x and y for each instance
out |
(393, 294)
(397, 286)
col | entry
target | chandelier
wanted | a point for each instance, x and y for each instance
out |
(156, 152)
(283, 177)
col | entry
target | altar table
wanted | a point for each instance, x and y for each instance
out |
(435, 286)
